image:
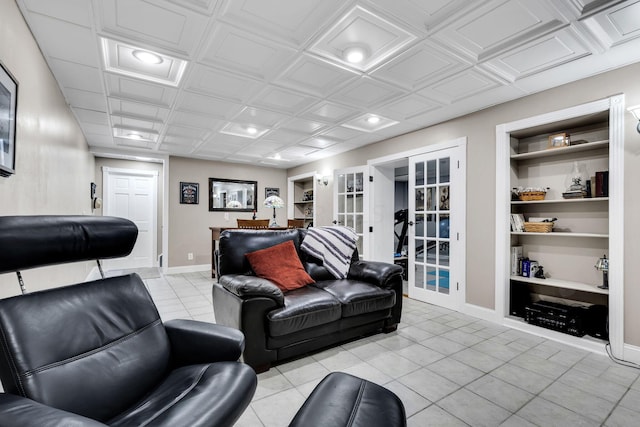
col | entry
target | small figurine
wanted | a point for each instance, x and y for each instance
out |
(539, 273)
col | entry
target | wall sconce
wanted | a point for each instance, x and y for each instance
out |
(324, 180)
(636, 113)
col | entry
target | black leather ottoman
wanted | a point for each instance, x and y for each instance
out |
(344, 400)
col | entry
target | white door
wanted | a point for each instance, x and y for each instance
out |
(436, 223)
(131, 194)
(350, 196)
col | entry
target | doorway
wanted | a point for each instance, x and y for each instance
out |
(132, 194)
(434, 254)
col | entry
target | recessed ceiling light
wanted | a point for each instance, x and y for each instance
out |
(251, 130)
(373, 120)
(277, 156)
(147, 57)
(354, 55)
(134, 135)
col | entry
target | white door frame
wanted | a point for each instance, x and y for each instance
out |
(107, 171)
(381, 212)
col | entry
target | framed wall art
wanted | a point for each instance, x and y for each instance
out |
(8, 106)
(271, 191)
(189, 193)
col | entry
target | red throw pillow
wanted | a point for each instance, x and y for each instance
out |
(281, 265)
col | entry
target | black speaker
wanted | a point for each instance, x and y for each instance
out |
(596, 321)
(519, 298)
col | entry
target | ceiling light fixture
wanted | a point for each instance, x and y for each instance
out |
(373, 120)
(147, 57)
(251, 130)
(354, 54)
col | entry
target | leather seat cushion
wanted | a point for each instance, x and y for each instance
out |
(303, 308)
(194, 395)
(353, 402)
(358, 297)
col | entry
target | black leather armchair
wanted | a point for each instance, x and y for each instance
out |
(97, 353)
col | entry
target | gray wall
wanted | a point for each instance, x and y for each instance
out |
(189, 224)
(54, 168)
(479, 128)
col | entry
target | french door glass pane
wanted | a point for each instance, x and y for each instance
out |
(444, 198)
(359, 224)
(431, 225)
(443, 281)
(419, 199)
(349, 203)
(341, 204)
(432, 279)
(444, 170)
(358, 183)
(341, 184)
(419, 279)
(419, 173)
(431, 172)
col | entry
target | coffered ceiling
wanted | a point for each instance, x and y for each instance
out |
(268, 82)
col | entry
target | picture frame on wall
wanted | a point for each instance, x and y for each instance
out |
(8, 108)
(271, 191)
(189, 193)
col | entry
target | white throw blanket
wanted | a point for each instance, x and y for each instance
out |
(334, 246)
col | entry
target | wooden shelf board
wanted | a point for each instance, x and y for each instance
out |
(547, 201)
(565, 284)
(564, 150)
(560, 234)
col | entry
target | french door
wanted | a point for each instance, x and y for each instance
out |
(350, 196)
(436, 223)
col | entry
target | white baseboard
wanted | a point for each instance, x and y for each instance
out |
(481, 313)
(187, 269)
(631, 354)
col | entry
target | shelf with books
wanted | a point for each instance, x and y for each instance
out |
(585, 228)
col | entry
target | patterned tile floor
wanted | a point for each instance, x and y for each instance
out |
(448, 368)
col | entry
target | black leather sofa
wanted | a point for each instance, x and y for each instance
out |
(279, 326)
(97, 353)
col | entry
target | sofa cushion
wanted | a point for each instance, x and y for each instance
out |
(281, 265)
(303, 308)
(358, 297)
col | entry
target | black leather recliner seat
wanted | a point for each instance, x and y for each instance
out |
(280, 325)
(97, 353)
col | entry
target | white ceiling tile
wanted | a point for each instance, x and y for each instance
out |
(55, 37)
(408, 107)
(291, 21)
(296, 151)
(543, 53)
(328, 111)
(131, 143)
(207, 105)
(96, 129)
(203, 6)
(246, 53)
(319, 142)
(258, 116)
(367, 93)
(98, 140)
(617, 24)
(498, 26)
(160, 24)
(74, 11)
(222, 84)
(189, 119)
(135, 123)
(304, 126)
(140, 91)
(422, 14)
(187, 131)
(125, 107)
(176, 148)
(285, 100)
(91, 116)
(87, 100)
(315, 76)
(364, 124)
(76, 76)
(285, 136)
(462, 85)
(341, 134)
(360, 27)
(420, 65)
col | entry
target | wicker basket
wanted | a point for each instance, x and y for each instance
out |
(538, 227)
(527, 196)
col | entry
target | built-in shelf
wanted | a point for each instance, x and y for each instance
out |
(560, 234)
(548, 201)
(563, 150)
(305, 202)
(565, 284)
(586, 342)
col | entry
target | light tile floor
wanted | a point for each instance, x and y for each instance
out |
(448, 368)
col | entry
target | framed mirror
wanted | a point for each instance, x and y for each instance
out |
(232, 195)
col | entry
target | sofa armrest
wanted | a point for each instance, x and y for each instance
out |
(193, 342)
(251, 286)
(20, 411)
(378, 273)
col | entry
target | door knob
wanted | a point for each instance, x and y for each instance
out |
(410, 222)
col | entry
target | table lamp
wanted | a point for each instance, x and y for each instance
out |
(274, 202)
(603, 265)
